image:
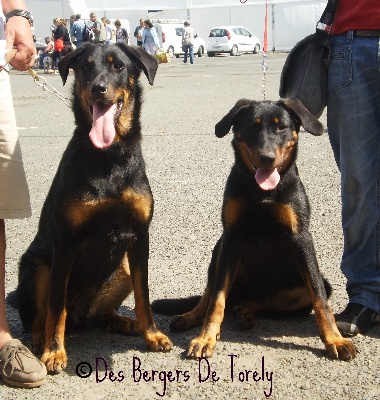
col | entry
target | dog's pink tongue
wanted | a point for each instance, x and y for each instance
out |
(267, 178)
(103, 131)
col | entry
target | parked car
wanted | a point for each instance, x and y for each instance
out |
(233, 40)
(169, 34)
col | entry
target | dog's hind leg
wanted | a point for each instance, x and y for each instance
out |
(110, 296)
(196, 316)
(287, 302)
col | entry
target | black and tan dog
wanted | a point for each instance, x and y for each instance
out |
(264, 261)
(92, 245)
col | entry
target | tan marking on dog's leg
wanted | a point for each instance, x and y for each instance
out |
(204, 344)
(337, 347)
(154, 339)
(54, 355)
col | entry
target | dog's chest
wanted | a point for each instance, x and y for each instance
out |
(258, 218)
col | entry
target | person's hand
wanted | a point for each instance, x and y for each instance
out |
(19, 35)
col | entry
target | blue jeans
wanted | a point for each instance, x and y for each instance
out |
(353, 119)
(188, 49)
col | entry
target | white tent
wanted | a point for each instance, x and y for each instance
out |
(288, 20)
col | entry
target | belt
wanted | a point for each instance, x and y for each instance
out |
(368, 33)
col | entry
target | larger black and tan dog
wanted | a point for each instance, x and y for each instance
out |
(264, 261)
(92, 245)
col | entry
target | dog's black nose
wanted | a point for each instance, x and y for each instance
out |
(99, 87)
(268, 158)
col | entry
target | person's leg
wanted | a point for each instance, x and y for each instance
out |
(353, 119)
(191, 53)
(5, 334)
(186, 48)
(18, 366)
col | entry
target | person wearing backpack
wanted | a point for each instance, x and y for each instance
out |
(121, 33)
(77, 30)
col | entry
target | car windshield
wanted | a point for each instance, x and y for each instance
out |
(218, 33)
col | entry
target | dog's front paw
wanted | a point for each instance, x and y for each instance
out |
(55, 361)
(157, 341)
(202, 346)
(342, 349)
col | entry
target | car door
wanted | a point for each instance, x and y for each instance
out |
(178, 41)
(247, 39)
(239, 39)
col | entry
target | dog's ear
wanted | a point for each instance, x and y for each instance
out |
(142, 59)
(307, 120)
(70, 60)
(224, 125)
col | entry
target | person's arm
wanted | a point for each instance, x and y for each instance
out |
(19, 35)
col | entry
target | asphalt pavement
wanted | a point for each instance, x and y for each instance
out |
(187, 167)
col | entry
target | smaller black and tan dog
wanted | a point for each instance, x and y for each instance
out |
(264, 262)
(92, 245)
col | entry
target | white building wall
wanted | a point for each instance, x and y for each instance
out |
(288, 20)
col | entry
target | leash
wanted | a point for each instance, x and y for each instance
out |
(264, 66)
(265, 50)
(46, 87)
(38, 80)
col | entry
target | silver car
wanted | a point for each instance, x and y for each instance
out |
(233, 40)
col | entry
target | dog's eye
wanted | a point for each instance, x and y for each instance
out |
(118, 66)
(281, 128)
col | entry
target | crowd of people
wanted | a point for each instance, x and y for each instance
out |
(64, 39)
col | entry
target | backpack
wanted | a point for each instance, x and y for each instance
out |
(87, 34)
(125, 34)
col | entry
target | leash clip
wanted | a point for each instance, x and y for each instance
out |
(34, 74)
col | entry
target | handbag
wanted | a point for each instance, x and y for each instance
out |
(304, 75)
(162, 57)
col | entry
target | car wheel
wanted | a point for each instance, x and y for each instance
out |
(210, 54)
(200, 51)
(171, 51)
(234, 50)
(256, 49)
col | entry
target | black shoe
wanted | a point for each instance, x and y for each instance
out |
(355, 319)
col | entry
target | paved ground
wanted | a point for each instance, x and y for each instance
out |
(187, 166)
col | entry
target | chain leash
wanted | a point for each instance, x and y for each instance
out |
(41, 81)
(264, 67)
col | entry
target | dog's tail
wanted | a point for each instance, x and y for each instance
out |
(175, 306)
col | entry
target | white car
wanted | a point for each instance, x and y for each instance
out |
(170, 37)
(233, 40)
